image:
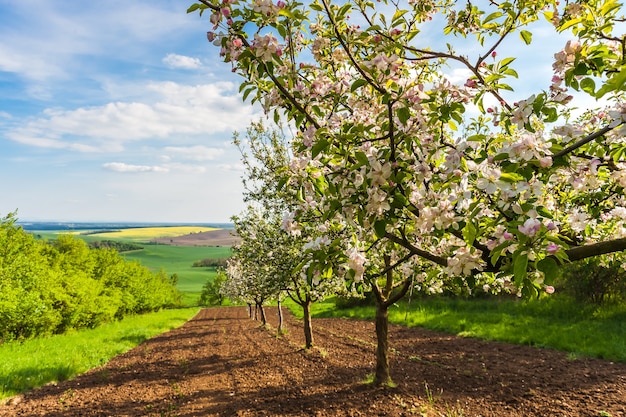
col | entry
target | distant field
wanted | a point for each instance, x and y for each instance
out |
(148, 233)
(179, 260)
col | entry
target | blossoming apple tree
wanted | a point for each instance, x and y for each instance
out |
(277, 253)
(481, 179)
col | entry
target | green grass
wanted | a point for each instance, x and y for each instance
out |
(179, 260)
(36, 362)
(555, 322)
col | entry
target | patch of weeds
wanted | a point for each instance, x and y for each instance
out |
(430, 396)
(323, 352)
(103, 375)
(184, 363)
(171, 408)
(416, 358)
(604, 414)
(410, 408)
(454, 412)
(66, 397)
(369, 380)
(177, 390)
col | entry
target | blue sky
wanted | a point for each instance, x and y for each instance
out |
(122, 111)
(116, 111)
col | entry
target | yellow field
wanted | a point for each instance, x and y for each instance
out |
(145, 233)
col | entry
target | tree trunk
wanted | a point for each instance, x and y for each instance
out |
(308, 331)
(280, 318)
(249, 310)
(262, 311)
(382, 376)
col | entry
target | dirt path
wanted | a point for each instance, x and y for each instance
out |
(221, 363)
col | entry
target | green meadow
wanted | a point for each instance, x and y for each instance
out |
(179, 260)
(555, 322)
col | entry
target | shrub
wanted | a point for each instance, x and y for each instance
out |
(349, 301)
(212, 290)
(594, 280)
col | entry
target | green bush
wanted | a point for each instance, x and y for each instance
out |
(350, 301)
(53, 287)
(211, 291)
(594, 280)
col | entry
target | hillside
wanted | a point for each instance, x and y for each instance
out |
(220, 237)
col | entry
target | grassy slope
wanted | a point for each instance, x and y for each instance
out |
(35, 362)
(556, 323)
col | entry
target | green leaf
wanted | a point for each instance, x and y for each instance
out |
(404, 114)
(520, 267)
(380, 227)
(529, 290)
(357, 84)
(319, 147)
(526, 36)
(615, 83)
(506, 61)
(588, 85)
(511, 177)
(193, 8)
(469, 233)
(550, 269)
(492, 16)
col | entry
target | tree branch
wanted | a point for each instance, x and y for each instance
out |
(583, 141)
(417, 251)
(595, 249)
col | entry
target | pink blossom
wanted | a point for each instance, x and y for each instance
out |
(226, 12)
(549, 289)
(552, 248)
(507, 236)
(551, 226)
(530, 227)
(471, 83)
(545, 162)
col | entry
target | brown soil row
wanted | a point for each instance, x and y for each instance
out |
(221, 363)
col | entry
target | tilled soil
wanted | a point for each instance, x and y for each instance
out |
(219, 237)
(222, 363)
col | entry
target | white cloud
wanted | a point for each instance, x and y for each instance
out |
(194, 153)
(179, 111)
(122, 167)
(232, 167)
(59, 33)
(181, 61)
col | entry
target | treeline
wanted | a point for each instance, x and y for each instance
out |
(216, 262)
(50, 287)
(114, 244)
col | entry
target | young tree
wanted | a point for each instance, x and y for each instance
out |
(483, 183)
(267, 158)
